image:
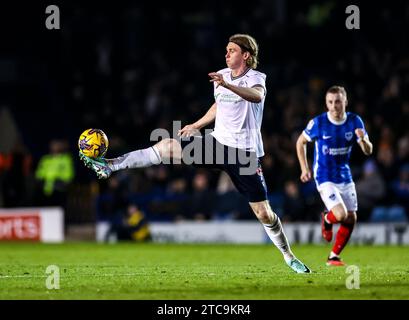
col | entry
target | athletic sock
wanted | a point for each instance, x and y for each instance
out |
(333, 254)
(330, 218)
(276, 233)
(342, 237)
(136, 159)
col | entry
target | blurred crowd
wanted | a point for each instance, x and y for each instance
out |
(136, 67)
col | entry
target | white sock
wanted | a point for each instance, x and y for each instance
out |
(136, 159)
(332, 255)
(276, 233)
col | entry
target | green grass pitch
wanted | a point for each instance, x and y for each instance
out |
(197, 271)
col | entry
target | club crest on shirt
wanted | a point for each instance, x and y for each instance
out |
(332, 197)
(241, 84)
(348, 135)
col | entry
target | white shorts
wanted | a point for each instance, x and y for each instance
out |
(336, 193)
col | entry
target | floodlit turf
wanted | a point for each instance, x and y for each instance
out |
(206, 272)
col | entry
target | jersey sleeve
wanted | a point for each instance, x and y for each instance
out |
(311, 131)
(359, 124)
(258, 80)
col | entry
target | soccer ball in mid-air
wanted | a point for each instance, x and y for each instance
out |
(93, 143)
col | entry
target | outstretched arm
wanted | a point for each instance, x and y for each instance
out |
(364, 142)
(254, 94)
(192, 129)
(302, 158)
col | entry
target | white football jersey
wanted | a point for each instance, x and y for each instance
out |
(238, 122)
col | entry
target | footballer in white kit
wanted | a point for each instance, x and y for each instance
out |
(236, 141)
(234, 146)
(238, 121)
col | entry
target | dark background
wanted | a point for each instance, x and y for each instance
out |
(130, 67)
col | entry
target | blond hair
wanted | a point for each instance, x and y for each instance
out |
(249, 44)
(338, 89)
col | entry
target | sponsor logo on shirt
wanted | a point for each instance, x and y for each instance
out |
(226, 97)
(339, 151)
(335, 151)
